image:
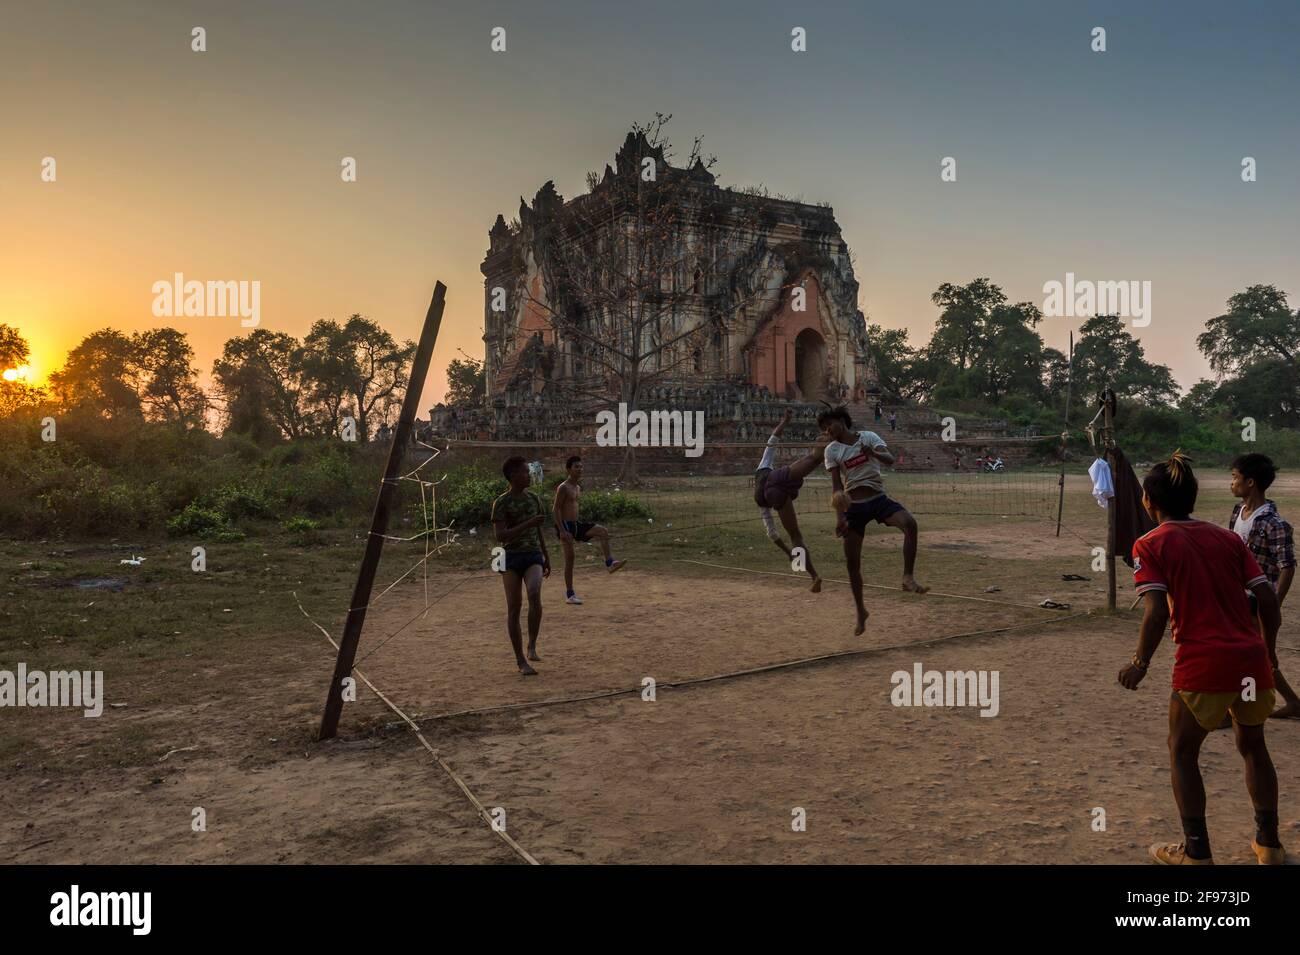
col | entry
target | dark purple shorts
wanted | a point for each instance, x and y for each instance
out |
(780, 488)
(861, 513)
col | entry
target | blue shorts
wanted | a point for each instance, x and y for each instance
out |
(520, 561)
(878, 508)
(578, 529)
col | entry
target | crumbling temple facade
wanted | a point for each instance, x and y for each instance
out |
(761, 301)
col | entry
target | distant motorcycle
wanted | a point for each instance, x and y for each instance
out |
(990, 464)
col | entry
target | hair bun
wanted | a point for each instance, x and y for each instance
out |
(1179, 465)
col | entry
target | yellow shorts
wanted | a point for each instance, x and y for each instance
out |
(1210, 708)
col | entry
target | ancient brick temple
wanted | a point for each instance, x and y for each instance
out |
(775, 302)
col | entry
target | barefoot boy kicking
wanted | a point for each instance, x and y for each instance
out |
(1198, 574)
(853, 458)
(517, 517)
(1256, 521)
(776, 489)
(568, 528)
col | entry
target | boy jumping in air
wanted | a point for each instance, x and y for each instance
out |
(854, 458)
(568, 528)
(517, 516)
(1198, 574)
(776, 489)
(1256, 521)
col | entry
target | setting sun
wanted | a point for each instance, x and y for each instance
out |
(21, 373)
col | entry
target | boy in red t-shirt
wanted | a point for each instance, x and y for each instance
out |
(1199, 574)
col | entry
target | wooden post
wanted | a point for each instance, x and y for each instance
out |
(379, 521)
(1065, 438)
(1108, 426)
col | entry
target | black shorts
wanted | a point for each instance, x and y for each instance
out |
(520, 560)
(579, 530)
(878, 508)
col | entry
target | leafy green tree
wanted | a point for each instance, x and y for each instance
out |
(355, 364)
(102, 375)
(1202, 400)
(1010, 352)
(1054, 384)
(14, 350)
(1107, 355)
(466, 381)
(983, 346)
(899, 366)
(169, 389)
(262, 381)
(1264, 390)
(1257, 341)
(959, 331)
(17, 394)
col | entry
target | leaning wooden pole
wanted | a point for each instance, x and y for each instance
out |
(329, 723)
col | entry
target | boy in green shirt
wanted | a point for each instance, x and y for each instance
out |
(517, 517)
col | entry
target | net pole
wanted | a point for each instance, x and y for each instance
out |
(1108, 399)
(1065, 437)
(379, 520)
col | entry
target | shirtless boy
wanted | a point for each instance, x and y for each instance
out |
(569, 529)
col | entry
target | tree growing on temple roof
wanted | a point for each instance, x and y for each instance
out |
(646, 280)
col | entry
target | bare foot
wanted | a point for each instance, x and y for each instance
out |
(617, 566)
(862, 622)
(910, 584)
(526, 670)
(1289, 711)
(817, 585)
(532, 654)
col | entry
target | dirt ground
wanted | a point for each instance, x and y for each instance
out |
(704, 773)
(709, 773)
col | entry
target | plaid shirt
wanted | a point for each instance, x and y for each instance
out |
(1270, 540)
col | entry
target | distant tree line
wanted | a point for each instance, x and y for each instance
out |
(986, 353)
(267, 385)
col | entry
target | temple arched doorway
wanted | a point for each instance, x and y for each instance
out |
(810, 364)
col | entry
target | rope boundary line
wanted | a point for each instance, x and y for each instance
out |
(442, 763)
(836, 580)
(735, 674)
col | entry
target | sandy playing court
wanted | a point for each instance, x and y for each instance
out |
(708, 773)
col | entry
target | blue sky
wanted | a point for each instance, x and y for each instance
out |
(1117, 165)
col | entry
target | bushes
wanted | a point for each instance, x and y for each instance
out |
(466, 494)
(235, 501)
(103, 477)
(302, 530)
(465, 498)
(322, 480)
(605, 506)
(52, 488)
(196, 521)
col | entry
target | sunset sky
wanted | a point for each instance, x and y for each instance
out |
(226, 164)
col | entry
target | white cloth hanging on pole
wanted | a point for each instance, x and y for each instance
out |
(1103, 485)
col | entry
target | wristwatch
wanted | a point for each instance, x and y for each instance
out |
(1137, 662)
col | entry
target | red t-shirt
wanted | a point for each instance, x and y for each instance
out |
(1205, 570)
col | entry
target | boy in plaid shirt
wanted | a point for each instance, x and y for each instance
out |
(1256, 521)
